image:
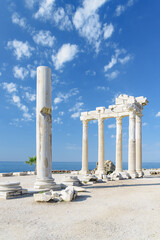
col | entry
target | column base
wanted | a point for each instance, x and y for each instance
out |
(140, 173)
(100, 172)
(47, 183)
(84, 172)
(133, 174)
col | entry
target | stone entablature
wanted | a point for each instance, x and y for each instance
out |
(124, 106)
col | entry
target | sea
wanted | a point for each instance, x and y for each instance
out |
(11, 166)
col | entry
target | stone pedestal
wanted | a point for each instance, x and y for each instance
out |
(139, 145)
(84, 169)
(44, 178)
(100, 169)
(71, 181)
(131, 147)
(119, 144)
(11, 190)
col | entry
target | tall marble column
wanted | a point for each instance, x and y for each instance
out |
(131, 147)
(44, 178)
(100, 169)
(139, 145)
(85, 148)
(119, 144)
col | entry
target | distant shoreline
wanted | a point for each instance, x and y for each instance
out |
(14, 166)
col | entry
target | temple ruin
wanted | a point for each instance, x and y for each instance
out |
(125, 106)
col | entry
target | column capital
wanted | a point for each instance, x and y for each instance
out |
(119, 119)
(100, 121)
(85, 122)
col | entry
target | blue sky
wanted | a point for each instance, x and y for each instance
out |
(97, 49)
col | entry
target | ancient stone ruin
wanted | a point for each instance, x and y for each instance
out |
(125, 106)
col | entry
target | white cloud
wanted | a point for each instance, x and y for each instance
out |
(20, 49)
(144, 124)
(116, 59)
(32, 71)
(30, 96)
(75, 115)
(58, 120)
(112, 126)
(10, 87)
(65, 54)
(119, 10)
(26, 115)
(77, 109)
(108, 30)
(102, 88)
(44, 38)
(112, 75)
(90, 73)
(125, 59)
(45, 9)
(158, 114)
(20, 72)
(61, 19)
(64, 97)
(30, 3)
(122, 8)
(110, 64)
(16, 99)
(58, 100)
(18, 20)
(86, 21)
(59, 16)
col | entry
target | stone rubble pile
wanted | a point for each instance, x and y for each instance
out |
(66, 195)
(89, 178)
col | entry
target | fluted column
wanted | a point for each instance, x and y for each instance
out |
(44, 178)
(119, 144)
(132, 149)
(85, 148)
(100, 169)
(139, 145)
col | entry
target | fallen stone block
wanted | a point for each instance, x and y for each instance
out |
(43, 197)
(68, 194)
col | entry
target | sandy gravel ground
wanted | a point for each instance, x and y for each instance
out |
(128, 210)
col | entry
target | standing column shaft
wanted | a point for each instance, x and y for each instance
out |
(100, 146)
(43, 129)
(85, 148)
(119, 145)
(131, 150)
(139, 145)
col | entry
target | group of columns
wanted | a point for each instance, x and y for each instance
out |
(134, 150)
(44, 137)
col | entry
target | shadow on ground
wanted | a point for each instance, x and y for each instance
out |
(126, 185)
